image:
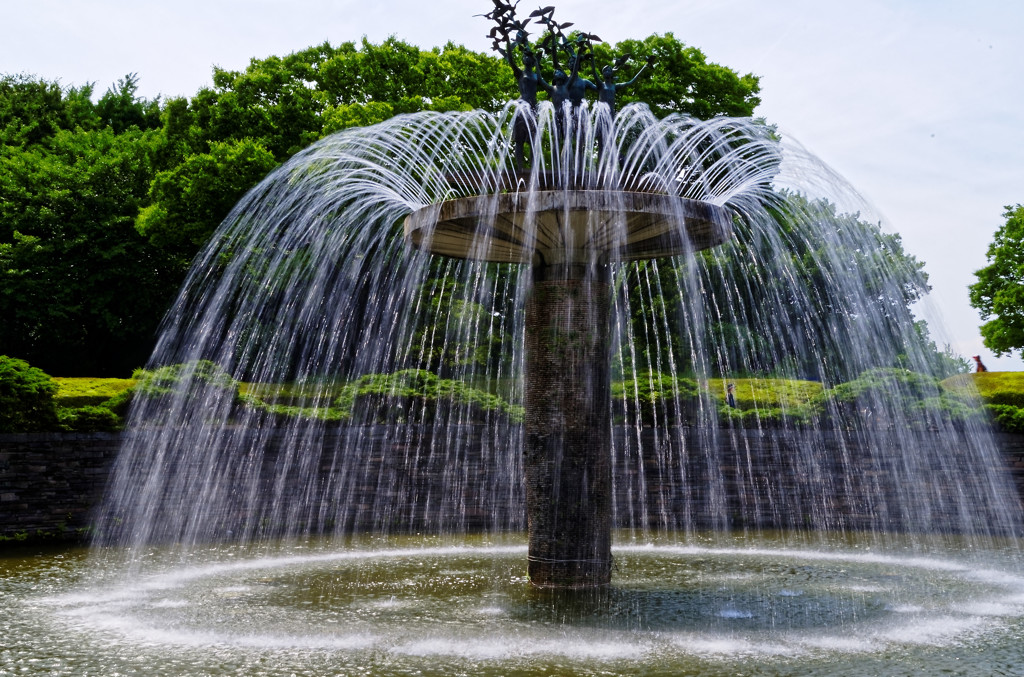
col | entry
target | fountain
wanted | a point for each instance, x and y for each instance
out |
(565, 257)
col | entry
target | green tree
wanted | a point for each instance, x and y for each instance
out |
(224, 140)
(120, 108)
(286, 102)
(999, 292)
(81, 292)
(103, 204)
(283, 104)
(682, 80)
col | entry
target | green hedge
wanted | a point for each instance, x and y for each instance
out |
(26, 398)
(419, 394)
(1007, 418)
(30, 400)
(90, 419)
(85, 392)
(654, 399)
(193, 378)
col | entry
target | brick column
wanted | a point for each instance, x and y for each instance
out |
(567, 455)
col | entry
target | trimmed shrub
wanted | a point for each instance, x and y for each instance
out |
(280, 413)
(419, 395)
(767, 402)
(1012, 398)
(770, 417)
(89, 420)
(194, 379)
(1006, 409)
(889, 385)
(194, 375)
(85, 392)
(26, 398)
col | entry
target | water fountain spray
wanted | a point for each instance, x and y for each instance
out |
(568, 227)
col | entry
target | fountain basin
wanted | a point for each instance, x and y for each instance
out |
(713, 607)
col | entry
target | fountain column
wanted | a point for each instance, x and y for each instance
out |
(569, 238)
(567, 427)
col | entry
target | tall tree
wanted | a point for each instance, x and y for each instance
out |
(999, 292)
(279, 105)
(33, 110)
(121, 109)
(193, 197)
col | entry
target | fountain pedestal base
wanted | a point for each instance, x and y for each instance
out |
(567, 455)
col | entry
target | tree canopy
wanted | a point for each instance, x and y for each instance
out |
(683, 81)
(999, 292)
(783, 295)
(81, 292)
(283, 104)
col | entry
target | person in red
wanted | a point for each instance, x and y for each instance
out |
(980, 366)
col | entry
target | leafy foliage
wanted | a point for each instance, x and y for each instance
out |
(784, 296)
(103, 205)
(759, 393)
(683, 81)
(986, 383)
(285, 102)
(83, 392)
(88, 419)
(469, 334)
(999, 292)
(29, 402)
(1002, 393)
(770, 417)
(885, 385)
(188, 376)
(194, 196)
(768, 402)
(121, 110)
(1007, 418)
(32, 111)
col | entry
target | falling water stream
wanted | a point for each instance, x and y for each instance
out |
(235, 540)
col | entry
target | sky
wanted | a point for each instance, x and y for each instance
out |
(919, 104)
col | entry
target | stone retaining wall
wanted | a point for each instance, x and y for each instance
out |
(52, 482)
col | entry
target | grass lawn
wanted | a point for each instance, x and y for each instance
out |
(988, 382)
(84, 392)
(766, 392)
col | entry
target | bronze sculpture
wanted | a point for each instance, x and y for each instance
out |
(564, 87)
(529, 81)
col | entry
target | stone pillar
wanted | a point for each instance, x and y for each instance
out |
(567, 455)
